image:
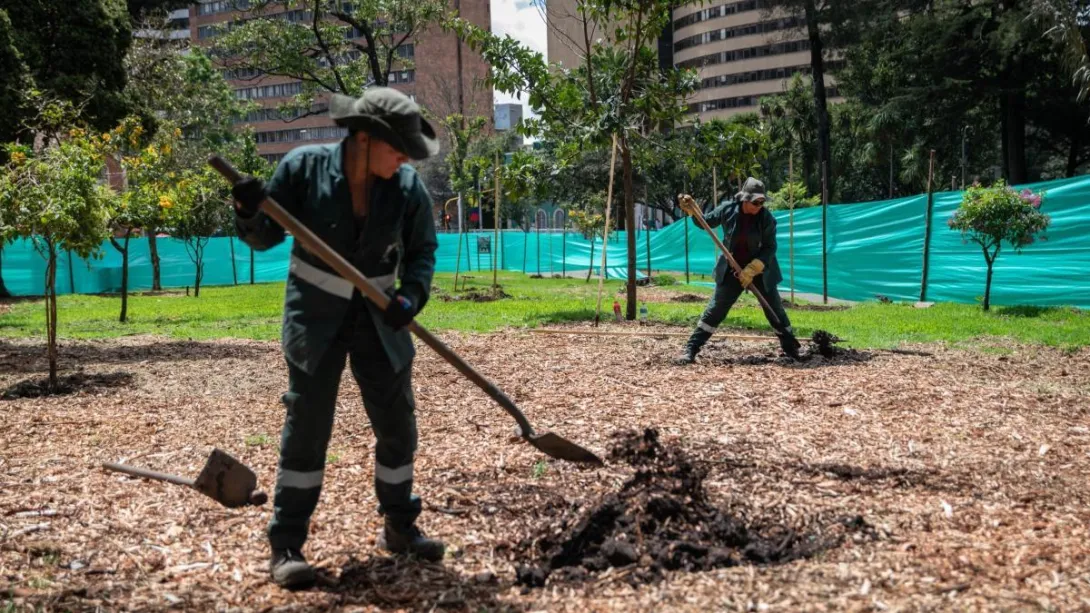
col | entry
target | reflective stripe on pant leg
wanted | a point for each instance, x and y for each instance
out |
(726, 293)
(388, 399)
(310, 403)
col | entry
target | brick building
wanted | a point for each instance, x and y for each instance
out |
(443, 75)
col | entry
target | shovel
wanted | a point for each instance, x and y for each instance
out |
(699, 217)
(223, 479)
(548, 443)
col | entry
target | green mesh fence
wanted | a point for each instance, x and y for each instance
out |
(873, 248)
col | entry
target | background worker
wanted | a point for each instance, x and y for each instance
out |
(749, 231)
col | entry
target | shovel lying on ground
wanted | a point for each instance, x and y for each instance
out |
(223, 479)
(548, 443)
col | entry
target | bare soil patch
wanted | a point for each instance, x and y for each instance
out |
(950, 481)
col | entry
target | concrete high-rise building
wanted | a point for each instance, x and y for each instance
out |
(741, 51)
(440, 72)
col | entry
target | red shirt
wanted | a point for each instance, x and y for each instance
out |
(740, 247)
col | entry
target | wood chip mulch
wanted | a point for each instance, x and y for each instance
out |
(970, 471)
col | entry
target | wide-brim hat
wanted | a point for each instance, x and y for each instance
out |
(752, 191)
(388, 115)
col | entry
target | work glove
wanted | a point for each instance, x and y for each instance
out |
(790, 345)
(687, 204)
(249, 193)
(751, 270)
(400, 311)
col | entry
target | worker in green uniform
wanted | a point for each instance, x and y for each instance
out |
(363, 199)
(749, 231)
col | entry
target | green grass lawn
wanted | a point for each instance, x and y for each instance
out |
(254, 312)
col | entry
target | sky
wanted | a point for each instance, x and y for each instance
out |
(524, 22)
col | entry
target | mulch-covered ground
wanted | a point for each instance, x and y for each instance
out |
(871, 481)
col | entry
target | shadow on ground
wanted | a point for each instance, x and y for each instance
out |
(396, 583)
(25, 357)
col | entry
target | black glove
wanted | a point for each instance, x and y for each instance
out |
(249, 193)
(400, 311)
(790, 345)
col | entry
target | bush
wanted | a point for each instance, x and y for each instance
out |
(991, 216)
(664, 280)
(781, 200)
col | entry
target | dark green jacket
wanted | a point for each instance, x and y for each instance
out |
(398, 242)
(760, 240)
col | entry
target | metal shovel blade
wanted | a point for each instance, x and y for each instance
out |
(562, 449)
(227, 481)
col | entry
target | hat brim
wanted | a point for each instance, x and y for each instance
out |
(419, 146)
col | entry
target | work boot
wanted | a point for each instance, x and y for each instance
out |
(790, 345)
(410, 540)
(289, 568)
(685, 358)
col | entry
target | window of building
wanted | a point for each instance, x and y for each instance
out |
(281, 90)
(723, 10)
(300, 134)
(725, 57)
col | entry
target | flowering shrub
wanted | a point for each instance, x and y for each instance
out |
(992, 216)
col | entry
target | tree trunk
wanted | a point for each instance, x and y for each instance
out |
(4, 293)
(525, 246)
(234, 268)
(1072, 163)
(124, 249)
(630, 225)
(988, 283)
(198, 252)
(590, 268)
(1016, 137)
(817, 68)
(51, 314)
(153, 249)
(251, 265)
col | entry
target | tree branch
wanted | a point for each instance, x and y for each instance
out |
(325, 48)
(371, 50)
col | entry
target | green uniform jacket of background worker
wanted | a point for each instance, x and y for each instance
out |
(760, 241)
(396, 240)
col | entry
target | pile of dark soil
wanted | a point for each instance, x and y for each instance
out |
(660, 520)
(688, 298)
(474, 295)
(68, 384)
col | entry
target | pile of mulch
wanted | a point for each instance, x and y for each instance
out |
(66, 384)
(659, 520)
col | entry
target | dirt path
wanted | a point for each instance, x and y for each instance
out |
(957, 481)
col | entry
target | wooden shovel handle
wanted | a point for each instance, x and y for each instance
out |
(317, 246)
(699, 217)
(147, 474)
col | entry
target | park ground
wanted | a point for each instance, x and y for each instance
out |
(939, 462)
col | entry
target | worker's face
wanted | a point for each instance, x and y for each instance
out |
(383, 159)
(752, 208)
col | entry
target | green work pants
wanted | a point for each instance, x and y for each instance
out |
(310, 403)
(726, 294)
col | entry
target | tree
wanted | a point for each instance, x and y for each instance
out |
(991, 216)
(619, 91)
(150, 167)
(202, 198)
(327, 45)
(55, 200)
(181, 92)
(250, 163)
(74, 50)
(590, 221)
(16, 81)
(818, 14)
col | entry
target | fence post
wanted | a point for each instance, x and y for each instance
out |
(824, 224)
(564, 250)
(496, 245)
(71, 274)
(685, 222)
(251, 265)
(791, 217)
(927, 228)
